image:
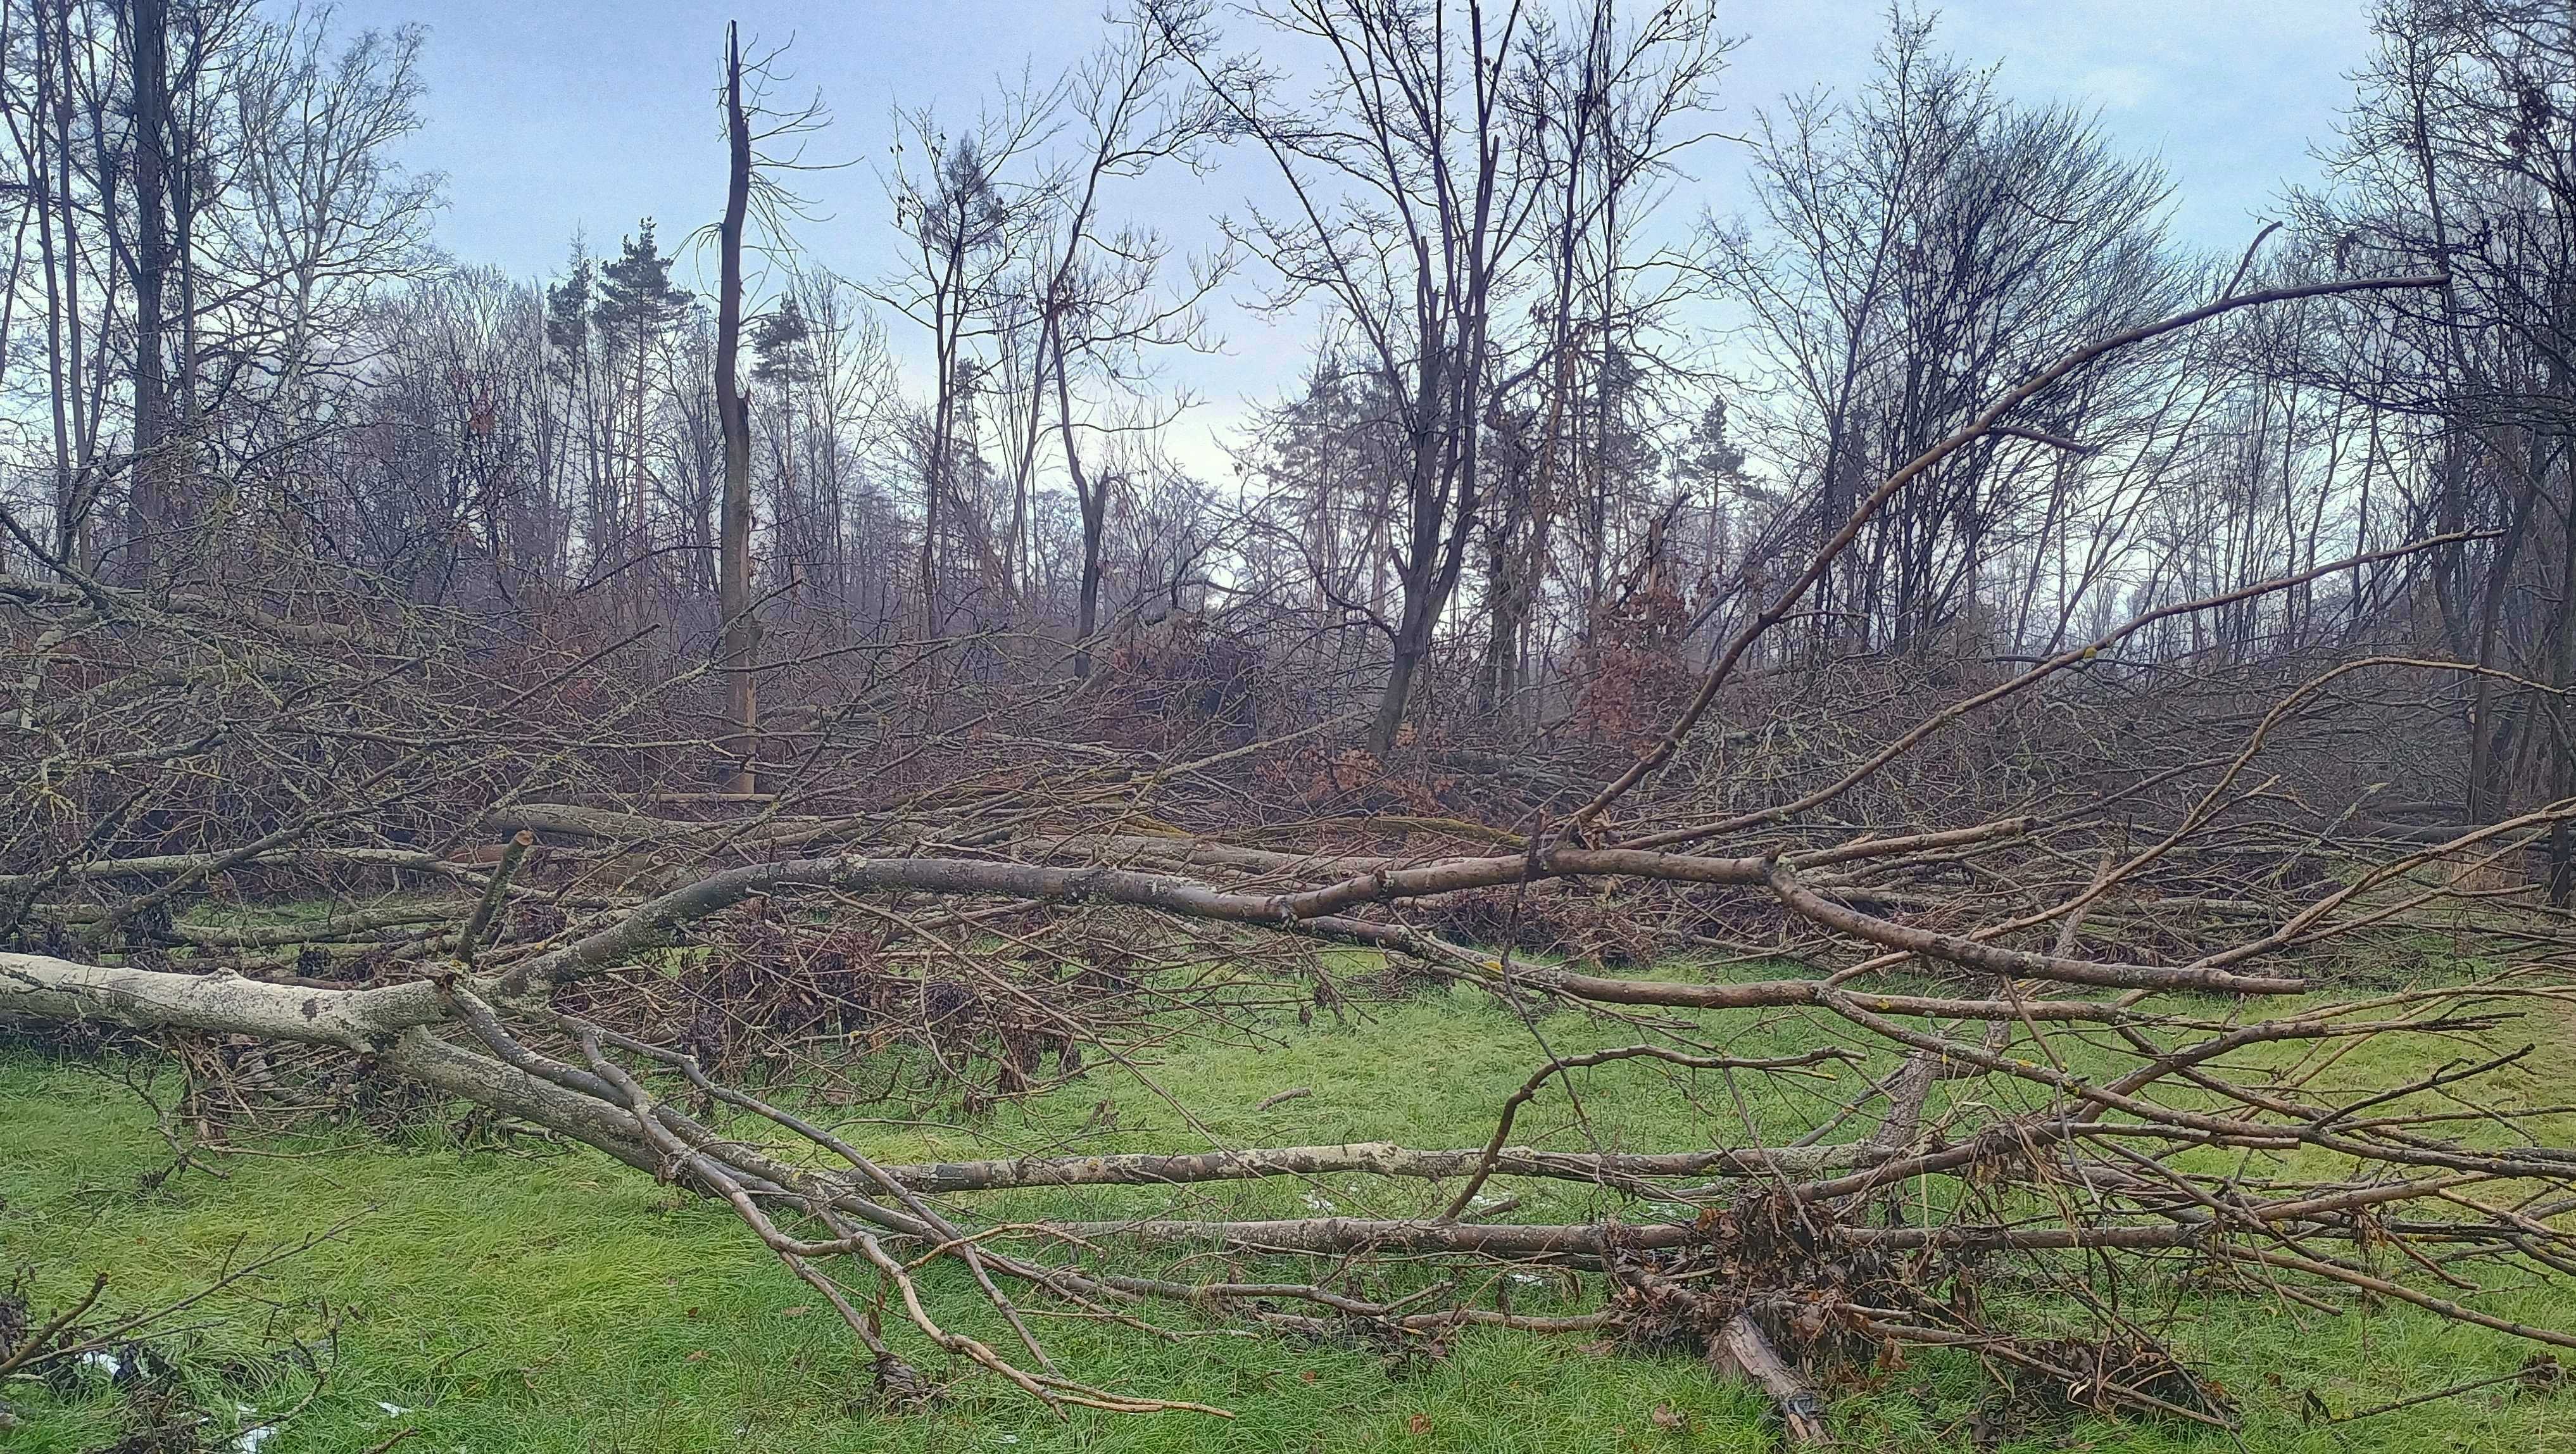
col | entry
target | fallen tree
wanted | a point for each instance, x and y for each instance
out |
(2089, 975)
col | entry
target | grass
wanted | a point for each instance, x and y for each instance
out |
(499, 1301)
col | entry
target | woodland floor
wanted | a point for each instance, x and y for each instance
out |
(500, 1298)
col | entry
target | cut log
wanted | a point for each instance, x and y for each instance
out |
(1741, 1349)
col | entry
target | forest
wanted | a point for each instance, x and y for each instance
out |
(1916, 814)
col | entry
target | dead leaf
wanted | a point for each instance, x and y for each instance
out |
(698, 1357)
(1417, 1423)
(796, 1312)
(1308, 1374)
(1666, 1417)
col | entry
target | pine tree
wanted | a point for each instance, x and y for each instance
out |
(637, 301)
(637, 305)
(568, 363)
(781, 343)
(568, 306)
(780, 339)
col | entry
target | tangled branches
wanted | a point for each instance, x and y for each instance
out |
(2142, 972)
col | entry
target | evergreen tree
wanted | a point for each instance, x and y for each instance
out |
(1710, 461)
(780, 341)
(782, 349)
(637, 305)
(568, 306)
(637, 300)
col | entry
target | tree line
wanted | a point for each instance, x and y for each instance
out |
(1559, 423)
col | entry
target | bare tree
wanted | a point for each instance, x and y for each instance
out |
(148, 36)
(1916, 245)
(1097, 306)
(2069, 686)
(2457, 157)
(966, 223)
(1414, 182)
(740, 629)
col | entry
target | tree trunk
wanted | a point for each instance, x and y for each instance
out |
(1092, 495)
(1741, 1347)
(149, 35)
(1410, 643)
(1087, 620)
(740, 638)
(2487, 734)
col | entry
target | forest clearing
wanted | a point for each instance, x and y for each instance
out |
(494, 1294)
(1923, 815)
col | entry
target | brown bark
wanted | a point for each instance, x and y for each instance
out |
(739, 647)
(1743, 1348)
(153, 497)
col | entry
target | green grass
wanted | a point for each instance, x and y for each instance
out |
(555, 1301)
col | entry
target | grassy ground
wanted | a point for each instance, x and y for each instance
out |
(498, 1301)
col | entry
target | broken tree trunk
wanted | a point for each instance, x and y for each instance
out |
(1742, 1350)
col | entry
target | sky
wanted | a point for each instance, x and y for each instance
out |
(549, 117)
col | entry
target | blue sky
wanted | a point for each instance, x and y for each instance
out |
(552, 115)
